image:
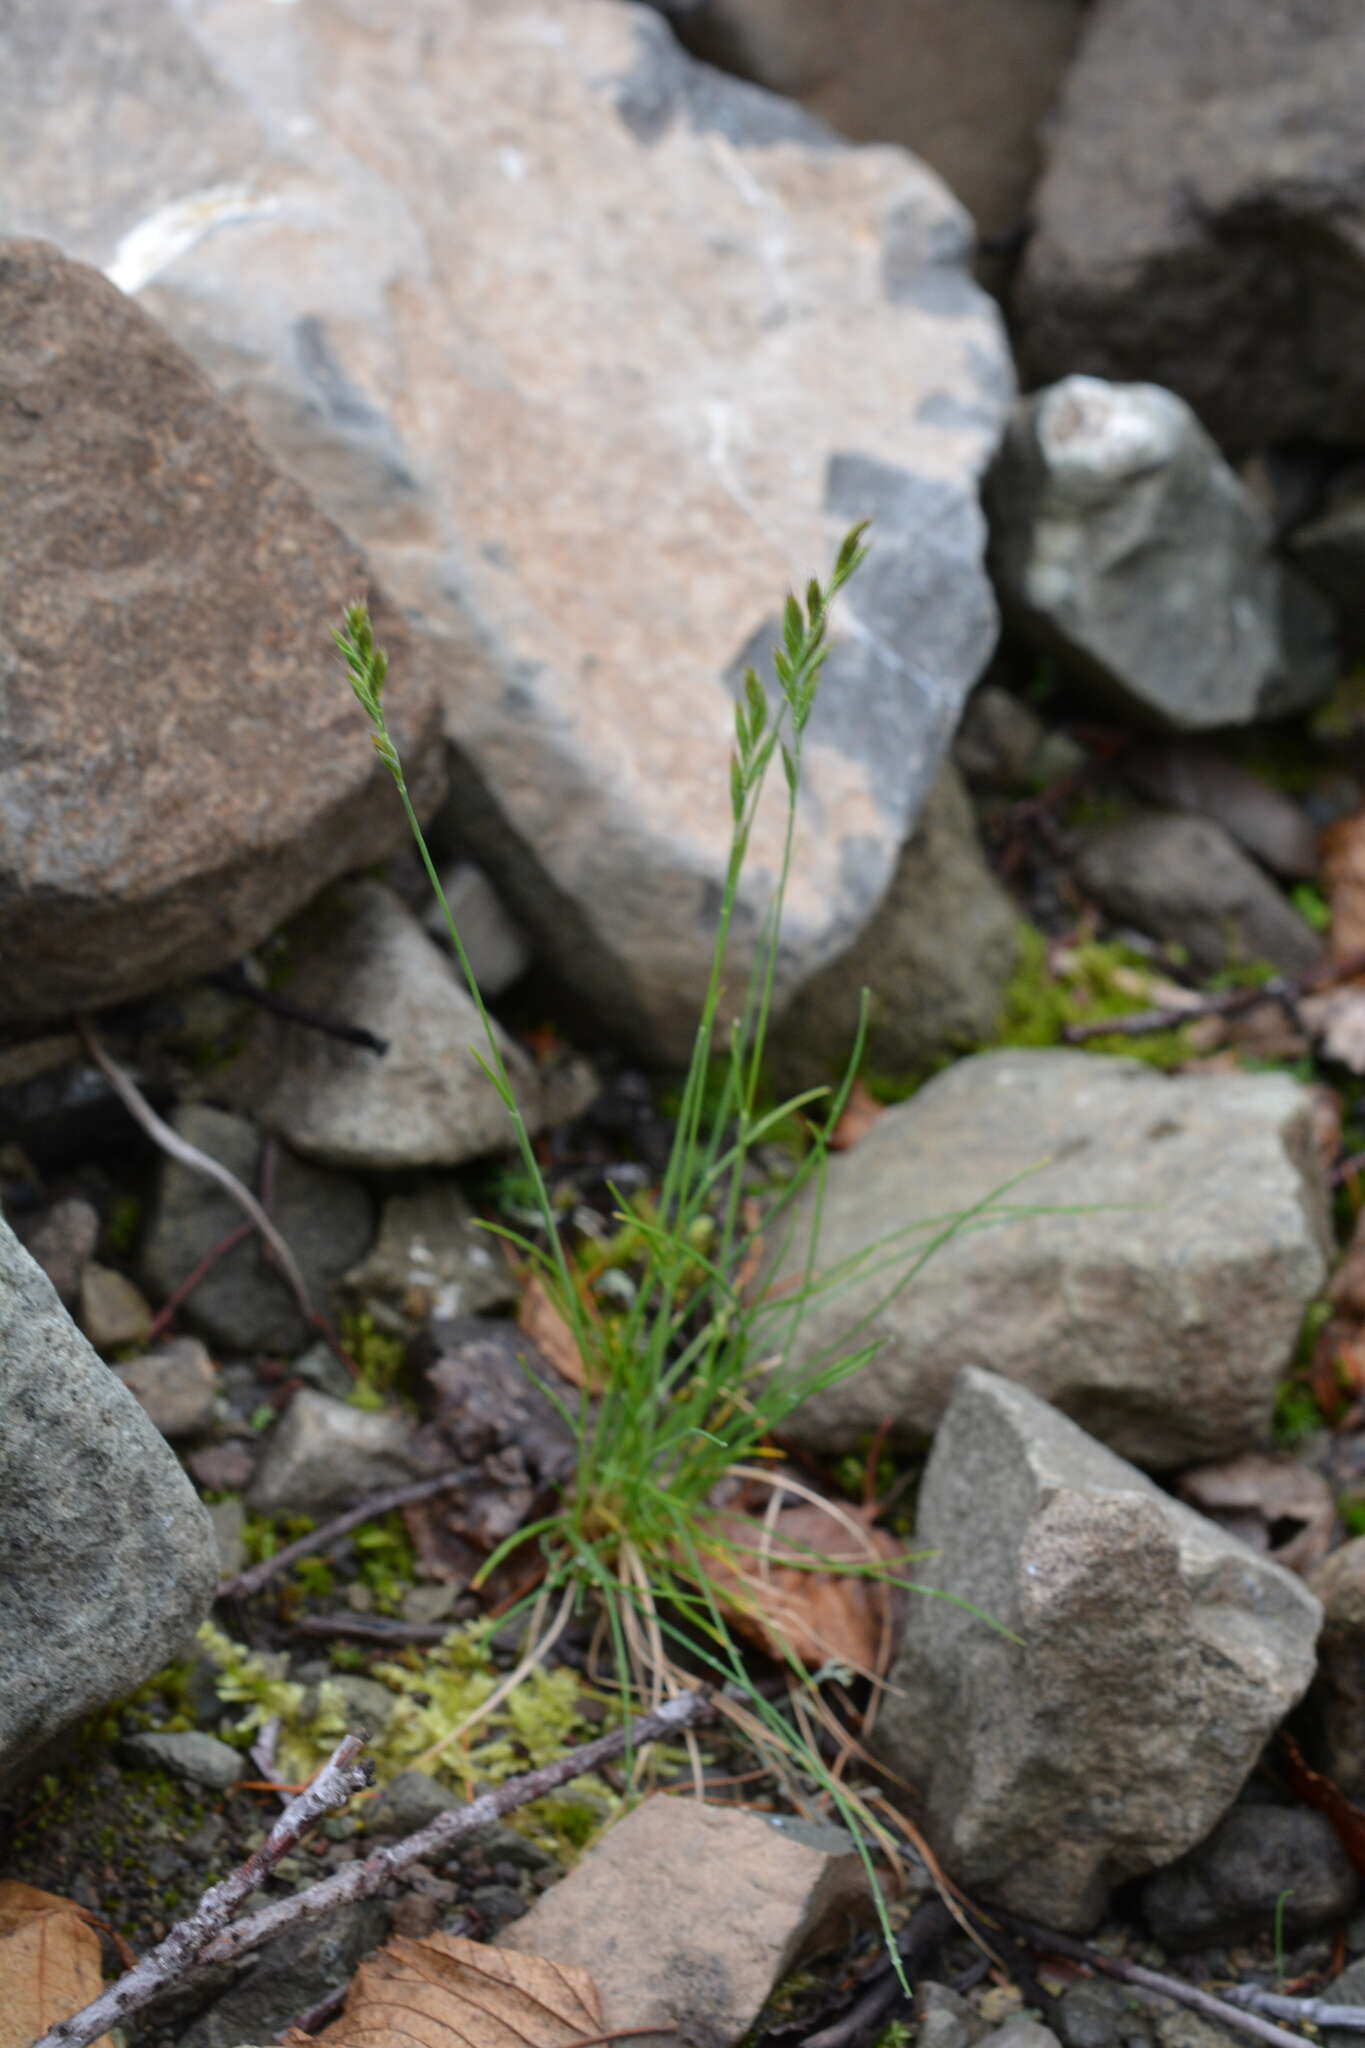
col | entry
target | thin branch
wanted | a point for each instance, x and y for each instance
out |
(925, 1932)
(160, 1132)
(371, 1628)
(1286, 990)
(362, 1880)
(1218, 2009)
(244, 1583)
(1311, 2012)
(233, 981)
(181, 1293)
(340, 1776)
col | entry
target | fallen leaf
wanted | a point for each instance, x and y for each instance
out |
(1336, 1374)
(1316, 1791)
(767, 1573)
(446, 1992)
(544, 1323)
(1274, 1503)
(49, 1963)
(1336, 1018)
(859, 1114)
(1343, 884)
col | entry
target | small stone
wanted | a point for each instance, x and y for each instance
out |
(1096, 2014)
(177, 1386)
(427, 1604)
(324, 1455)
(498, 950)
(62, 1240)
(222, 1468)
(1228, 1888)
(113, 1311)
(946, 2019)
(1336, 1703)
(413, 1915)
(1021, 2032)
(407, 1803)
(687, 1915)
(229, 1530)
(197, 1758)
(431, 1259)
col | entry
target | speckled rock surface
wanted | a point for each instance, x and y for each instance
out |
(110, 1558)
(585, 475)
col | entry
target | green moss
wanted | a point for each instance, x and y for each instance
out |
(378, 1358)
(386, 1559)
(1086, 984)
(121, 1224)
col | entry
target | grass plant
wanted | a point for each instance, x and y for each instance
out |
(683, 1389)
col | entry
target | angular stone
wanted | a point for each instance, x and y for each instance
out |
(359, 956)
(936, 958)
(1122, 543)
(62, 1241)
(110, 1559)
(183, 764)
(964, 83)
(324, 1455)
(244, 1303)
(190, 1754)
(1336, 1705)
(585, 468)
(431, 1259)
(1155, 1654)
(689, 1915)
(177, 1386)
(113, 1312)
(1202, 218)
(1160, 1301)
(1185, 879)
(497, 946)
(1182, 775)
(1230, 1887)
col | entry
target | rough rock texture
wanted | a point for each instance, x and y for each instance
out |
(1227, 1888)
(1155, 1656)
(592, 350)
(62, 1240)
(1182, 775)
(109, 1558)
(1159, 1307)
(1202, 219)
(290, 1975)
(324, 1456)
(359, 954)
(181, 764)
(964, 83)
(1337, 1702)
(690, 1915)
(244, 1304)
(1185, 879)
(936, 958)
(190, 1754)
(1124, 544)
(431, 1258)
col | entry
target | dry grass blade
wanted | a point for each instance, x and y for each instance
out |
(49, 1963)
(446, 1992)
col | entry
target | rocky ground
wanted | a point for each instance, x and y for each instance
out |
(573, 353)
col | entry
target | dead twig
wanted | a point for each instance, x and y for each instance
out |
(234, 982)
(181, 1293)
(342, 1774)
(363, 1880)
(1310, 2012)
(242, 1584)
(1286, 990)
(923, 1934)
(1221, 2010)
(371, 1628)
(161, 1134)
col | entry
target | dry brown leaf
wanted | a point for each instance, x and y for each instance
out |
(859, 1114)
(49, 1963)
(795, 1608)
(543, 1323)
(1343, 884)
(446, 1992)
(1272, 1502)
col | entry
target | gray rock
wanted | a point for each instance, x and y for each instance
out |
(497, 947)
(688, 1915)
(110, 1559)
(113, 1312)
(1330, 549)
(358, 954)
(1181, 775)
(176, 1385)
(936, 958)
(1184, 879)
(289, 1975)
(198, 1758)
(430, 1258)
(786, 338)
(946, 2019)
(229, 1533)
(407, 1803)
(1150, 1657)
(243, 1304)
(1336, 1704)
(62, 1241)
(180, 770)
(1021, 2032)
(1094, 2014)
(964, 83)
(998, 741)
(323, 1456)
(1199, 222)
(1347, 1989)
(1124, 544)
(1159, 1303)
(1227, 1889)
